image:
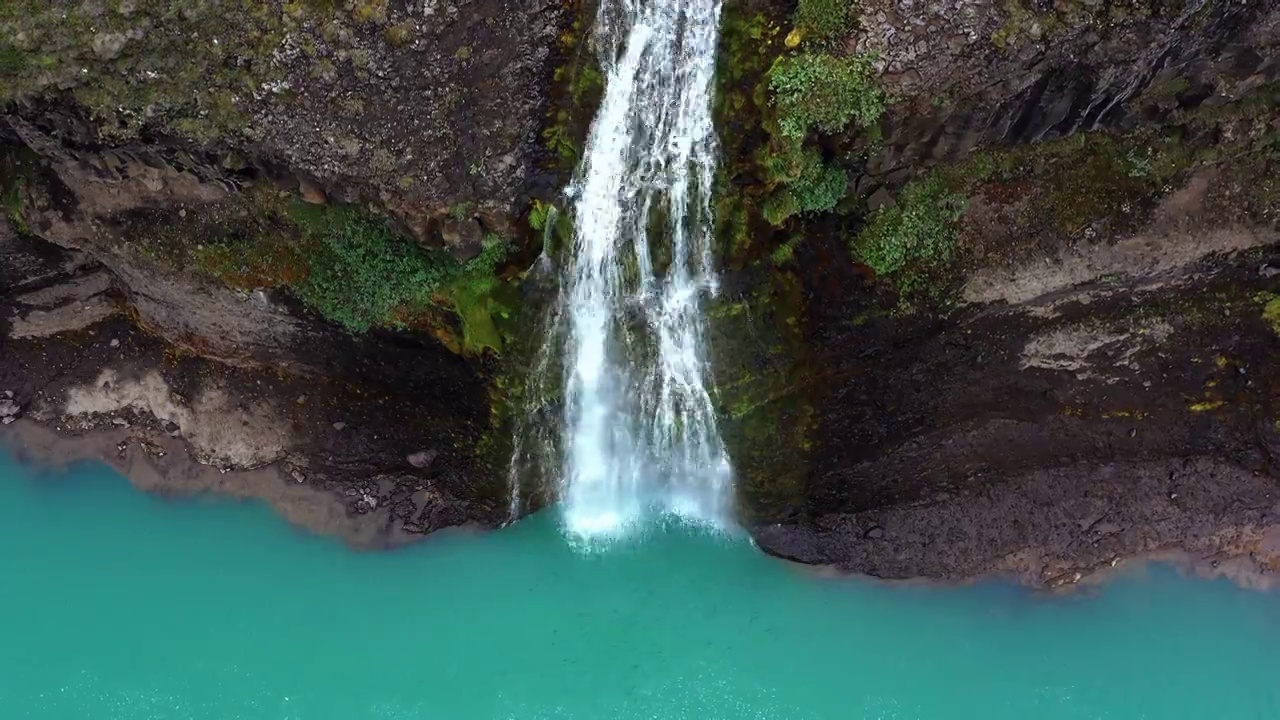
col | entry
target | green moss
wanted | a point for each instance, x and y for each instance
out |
(908, 241)
(786, 252)
(1081, 179)
(361, 273)
(349, 266)
(824, 92)
(750, 42)
(540, 215)
(765, 393)
(369, 11)
(823, 19)
(12, 60)
(577, 90)
(19, 169)
(400, 34)
(460, 211)
(12, 199)
(485, 304)
(185, 67)
(1270, 310)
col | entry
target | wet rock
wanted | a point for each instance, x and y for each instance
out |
(880, 198)
(423, 459)
(107, 46)
(9, 409)
(464, 238)
(875, 533)
(312, 193)
(339, 426)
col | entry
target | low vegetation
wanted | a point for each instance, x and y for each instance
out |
(350, 267)
(913, 238)
(823, 20)
(818, 91)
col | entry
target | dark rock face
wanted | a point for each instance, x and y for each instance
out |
(458, 95)
(417, 107)
(1048, 527)
(341, 428)
(132, 136)
(1096, 338)
(1105, 422)
(981, 72)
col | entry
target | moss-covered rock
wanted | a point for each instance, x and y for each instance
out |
(371, 101)
(764, 383)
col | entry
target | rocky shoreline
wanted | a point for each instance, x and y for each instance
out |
(902, 546)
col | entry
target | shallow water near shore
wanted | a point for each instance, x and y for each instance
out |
(118, 604)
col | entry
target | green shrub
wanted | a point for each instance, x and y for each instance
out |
(363, 274)
(823, 19)
(816, 90)
(778, 207)
(913, 237)
(808, 185)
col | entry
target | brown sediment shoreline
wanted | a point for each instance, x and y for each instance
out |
(156, 463)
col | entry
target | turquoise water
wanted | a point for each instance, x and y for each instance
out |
(116, 604)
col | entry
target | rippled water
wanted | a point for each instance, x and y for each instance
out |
(121, 605)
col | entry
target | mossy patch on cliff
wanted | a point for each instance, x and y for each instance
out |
(823, 19)
(577, 90)
(763, 390)
(1081, 186)
(187, 67)
(914, 238)
(349, 266)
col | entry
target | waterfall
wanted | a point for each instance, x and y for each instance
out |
(637, 429)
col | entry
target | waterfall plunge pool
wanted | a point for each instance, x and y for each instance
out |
(123, 606)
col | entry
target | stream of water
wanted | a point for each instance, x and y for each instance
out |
(638, 435)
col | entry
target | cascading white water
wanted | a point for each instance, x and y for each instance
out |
(638, 430)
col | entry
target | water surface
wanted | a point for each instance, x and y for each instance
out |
(120, 605)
